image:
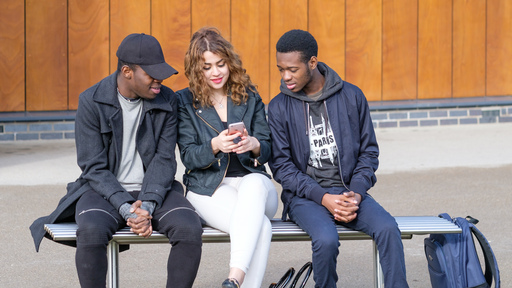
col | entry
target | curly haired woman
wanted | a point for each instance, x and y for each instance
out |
(225, 177)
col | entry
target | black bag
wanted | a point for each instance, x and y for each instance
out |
(453, 261)
(289, 275)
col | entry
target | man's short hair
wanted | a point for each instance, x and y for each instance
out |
(298, 41)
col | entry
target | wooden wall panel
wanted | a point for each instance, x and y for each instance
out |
(435, 49)
(52, 50)
(88, 45)
(12, 55)
(327, 25)
(170, 24)
(127, 17)
(281, 21)
(215, 13)
(250, 22)
(46, 48)
(400, 51)
(468, 48)
(364, 46)
(499, 48)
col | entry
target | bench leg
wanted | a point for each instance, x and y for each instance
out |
(113, 264)
(377, 269)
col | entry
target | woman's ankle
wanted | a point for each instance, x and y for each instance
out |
(237, 274)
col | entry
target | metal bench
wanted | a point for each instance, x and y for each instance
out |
(281, 231)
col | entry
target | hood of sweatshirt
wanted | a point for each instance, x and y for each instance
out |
(333, 84)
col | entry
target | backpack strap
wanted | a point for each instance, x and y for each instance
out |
(472, 220)
(491, 265)
(446, 216)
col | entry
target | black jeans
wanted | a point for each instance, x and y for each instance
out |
(98, 220)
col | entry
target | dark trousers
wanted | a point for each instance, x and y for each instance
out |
(371, 219)
(98, 220)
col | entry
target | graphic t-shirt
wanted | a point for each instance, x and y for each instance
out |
(323, 157)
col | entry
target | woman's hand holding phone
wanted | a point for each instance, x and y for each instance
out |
(224, 142)
(235, 139)
(246, 143)
(228, 140)
(238, 127)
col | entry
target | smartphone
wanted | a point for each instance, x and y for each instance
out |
(236, 127)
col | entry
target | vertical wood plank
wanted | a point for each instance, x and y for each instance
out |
(88, 45)
(127, 17)
(12, 56)
(468, 48)
(170, 24)
(391, 49)
(216, 13)
(285, 15)
(364, 47)
(499, 48)
(435, 49)
(46, 48)
(327, 25)
(249, 35)
(400, 49)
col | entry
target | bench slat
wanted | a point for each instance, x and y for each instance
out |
(281, 231)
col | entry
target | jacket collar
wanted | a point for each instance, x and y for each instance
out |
(107, 94)
(235, 114)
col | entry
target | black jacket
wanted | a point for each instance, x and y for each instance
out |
(99, 132)
(204, 170)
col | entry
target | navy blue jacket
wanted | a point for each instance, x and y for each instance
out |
(349, 116)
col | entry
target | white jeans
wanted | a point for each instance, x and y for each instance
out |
(242, 207)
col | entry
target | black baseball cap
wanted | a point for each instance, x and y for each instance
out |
(145, 51)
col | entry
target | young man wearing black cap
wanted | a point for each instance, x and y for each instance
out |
(325, 154)
(126, 129)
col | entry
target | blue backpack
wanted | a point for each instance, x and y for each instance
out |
(453, 261)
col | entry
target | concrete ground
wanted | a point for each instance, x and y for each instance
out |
(461, 170)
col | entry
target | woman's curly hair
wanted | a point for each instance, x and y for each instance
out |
(210, 39)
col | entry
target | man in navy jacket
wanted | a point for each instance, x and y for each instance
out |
(325, 154)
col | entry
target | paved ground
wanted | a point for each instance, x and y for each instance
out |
(463, 170)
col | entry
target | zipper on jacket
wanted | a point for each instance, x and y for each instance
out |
(225, 172)
(206, 122)
(337, 148)
(213, 128)
(218, 160)
(305, 108)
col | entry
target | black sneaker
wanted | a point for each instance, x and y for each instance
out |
(230, 283)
